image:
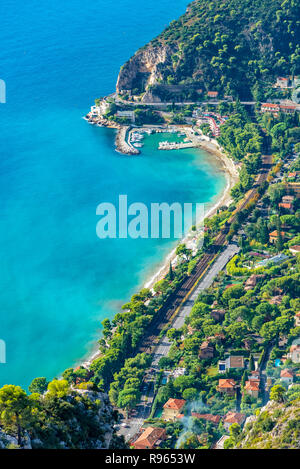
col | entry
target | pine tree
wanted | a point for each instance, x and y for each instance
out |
(244, 378)
(251, 363)
(279, 243)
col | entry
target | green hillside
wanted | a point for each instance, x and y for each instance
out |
(229, 46)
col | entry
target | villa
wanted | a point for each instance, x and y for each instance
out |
(151, 438)
(212, 94)
(278, 259)
(288, 199)
(294, 188)
(172, 409)
(287, 376)
(282, 82)
(218, 314)
(126, 114)
(295, 250)
(227, 386)
(252, 281)
(206, 351)
(234, 361)
(286, 206)
(297, 319)
(252, 388)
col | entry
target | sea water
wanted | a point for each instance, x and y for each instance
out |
(58, 281)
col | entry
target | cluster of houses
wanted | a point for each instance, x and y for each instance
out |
(152, 437)
(277, 108)
(229, 386)
(213, 119)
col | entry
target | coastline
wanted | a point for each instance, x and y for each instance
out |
(232, 177)
(190, 238)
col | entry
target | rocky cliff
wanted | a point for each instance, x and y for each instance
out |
(81, 419)
(144, 69)
(277, 426)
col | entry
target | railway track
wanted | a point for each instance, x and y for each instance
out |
(175, 300)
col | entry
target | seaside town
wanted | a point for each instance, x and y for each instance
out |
(197, 121)
(207, 355)
(226, 361)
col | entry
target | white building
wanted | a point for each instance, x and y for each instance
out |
(287, 376)
(294, 353)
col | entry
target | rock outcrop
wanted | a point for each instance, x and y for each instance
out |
(83, 419)
(277, 426)
(144, 69)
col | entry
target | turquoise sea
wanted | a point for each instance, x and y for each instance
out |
(57, 279)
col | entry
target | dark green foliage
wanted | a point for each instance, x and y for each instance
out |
(230, 46)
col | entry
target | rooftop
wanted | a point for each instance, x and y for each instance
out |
(176, 404)
(227, 383)
(149, 437)
(234, 417)
(286, 373)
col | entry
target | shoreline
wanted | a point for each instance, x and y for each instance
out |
(232, 177)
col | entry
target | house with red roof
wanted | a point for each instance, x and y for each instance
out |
(270, 107)
(172, 409)
(288, 108)
(215, 419)
(252, 388)
(233, 417)
(287, 376)
(282, 82)
(151, 438)
(212, 94)
(273, 236)
(286, 206)
(227, 386)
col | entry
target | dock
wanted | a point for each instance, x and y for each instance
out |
(175, 145)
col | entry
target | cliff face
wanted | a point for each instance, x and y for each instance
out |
(144, 69)
(277, 426)
(80, 420)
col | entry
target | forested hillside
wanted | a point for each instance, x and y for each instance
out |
(230, 46)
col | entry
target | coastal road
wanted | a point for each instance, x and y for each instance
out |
(119, 100)
(186, 297)
(164, 345)
(143, 410)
